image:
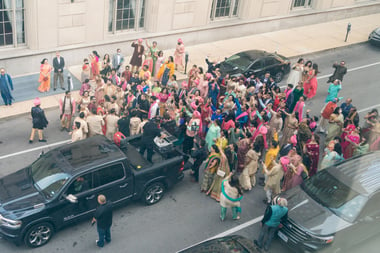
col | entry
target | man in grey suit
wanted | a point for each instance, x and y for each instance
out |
(58, 65)
(117, 61)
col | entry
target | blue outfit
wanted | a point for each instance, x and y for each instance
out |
(213, 93)
(6, 84)
(272, 219)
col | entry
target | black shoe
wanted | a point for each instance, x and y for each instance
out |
(257, 244)
(43, 140)
(266, 202)
(55, 89)
(62, 88)
(67, 130)
(30, 141)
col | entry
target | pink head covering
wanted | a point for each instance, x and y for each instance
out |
(37, 101)
(184, 85)
(197, 114)
(139, 87)
(284, 162)
(140, 40)
(180, 40)
(293, 140)
(263, 130)
(350, 128)
(208, 76)
(196, 81)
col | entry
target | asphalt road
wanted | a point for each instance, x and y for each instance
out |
(184, 216)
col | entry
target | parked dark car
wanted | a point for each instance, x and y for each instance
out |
(227, 244)
(374, 37)
(336, 208)
(256, 62)
(61, 186)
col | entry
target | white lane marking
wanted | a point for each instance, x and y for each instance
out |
(368, 108)
(348, 70)
(34, 149)
(300, 204)
(230, 231)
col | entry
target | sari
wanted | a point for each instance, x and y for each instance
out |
(348, 152)
(95, 66)
(215, 188)
(44, 79)
(210, 171)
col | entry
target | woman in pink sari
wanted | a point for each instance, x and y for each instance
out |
(148, 61)
(178, 54)
(353, 140)
(95, 71)
(298, 109)
(45, 70)
(311, 84)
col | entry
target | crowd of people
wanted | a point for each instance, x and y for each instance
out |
(232, 127)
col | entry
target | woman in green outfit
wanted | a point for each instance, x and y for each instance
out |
(230, 196)
(222, 172)
(297, 93)
(154, 54)
(212, 165)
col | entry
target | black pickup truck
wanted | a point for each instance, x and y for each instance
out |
(62, 185)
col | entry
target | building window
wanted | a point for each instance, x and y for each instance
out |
(301, 4)
(126, 15)
(12, 30)
(224, 9)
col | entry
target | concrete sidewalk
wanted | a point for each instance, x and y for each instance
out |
(291, 43)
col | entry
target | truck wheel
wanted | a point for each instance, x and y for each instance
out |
(154, 193)
(38, 235)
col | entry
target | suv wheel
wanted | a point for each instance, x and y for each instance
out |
(278, 77)
(154, 193)
(38, 235)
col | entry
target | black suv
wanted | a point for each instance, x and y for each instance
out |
(335, 209)
(256, 62)
(62, 186)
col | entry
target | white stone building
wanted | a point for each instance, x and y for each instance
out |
(34, 29)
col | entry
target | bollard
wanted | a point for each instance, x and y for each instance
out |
(186, 60)
(348, 31)
(69, 82)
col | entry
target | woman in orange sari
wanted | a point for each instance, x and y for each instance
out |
(94, 64)
(45, 70)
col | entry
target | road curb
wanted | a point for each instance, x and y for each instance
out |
(328, 50)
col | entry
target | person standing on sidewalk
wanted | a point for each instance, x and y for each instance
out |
(6, 84)
(273, 216)
(67, 109)
(58, 65)
(339, 72)
(44, 79)
(117, 61)
(39, 121)
(103, 218)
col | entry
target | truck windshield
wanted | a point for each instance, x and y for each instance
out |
(335, 195)
(47, 176)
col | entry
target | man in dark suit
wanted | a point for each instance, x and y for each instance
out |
(58, 65)
(117, 61)
(151, 131)
(103, 218)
